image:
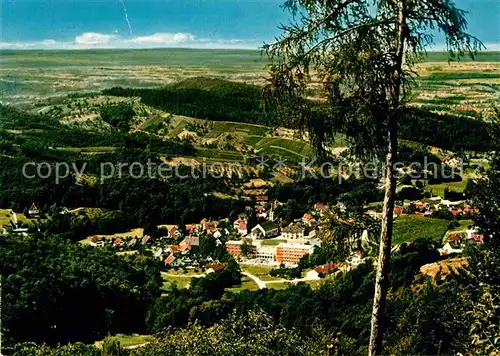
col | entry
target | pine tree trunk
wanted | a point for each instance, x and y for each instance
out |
(382, 283)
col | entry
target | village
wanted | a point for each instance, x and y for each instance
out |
(268, 245)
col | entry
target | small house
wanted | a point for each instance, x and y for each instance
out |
(398, 210)
(173, 249)
(184, 247)
(327, 268)
(33, 210)
(240, 225)
(209, 227)
(321, 208)
(169, 260)
(174, 232)
(308, 219)
(192, 229)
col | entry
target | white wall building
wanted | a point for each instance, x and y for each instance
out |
(293, 232)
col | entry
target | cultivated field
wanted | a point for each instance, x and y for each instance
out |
(25, 75)
(409, 228)
(465, 87)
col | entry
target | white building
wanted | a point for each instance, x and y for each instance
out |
(448, 249)
(266, 252)
(293, 232)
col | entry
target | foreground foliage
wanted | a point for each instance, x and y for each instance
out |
(58, 292)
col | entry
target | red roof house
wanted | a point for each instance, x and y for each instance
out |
(477, 238)
(183, 246)
(321, 207)
(169, 260)
(327, 268)
(398, 210)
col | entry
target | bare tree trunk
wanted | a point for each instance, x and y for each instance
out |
(382, 283)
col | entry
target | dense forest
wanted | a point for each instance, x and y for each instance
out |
(58, 292)
(205, 98)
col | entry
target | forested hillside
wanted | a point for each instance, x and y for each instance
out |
(221, 100)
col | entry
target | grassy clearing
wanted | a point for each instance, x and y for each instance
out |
(177, 129)
(137, 233)
(464, 226)
(283, 179)
(180, 281)
(409, 228)
(278, 285)
(271, 242)
(314, 284)
(103, 149)
(236, 127)
(182, 273)
(5, 216)
(438, 189)
(24, 220)
(252, 140)
(438, 76)
(260, 271)
(129, 340)
(299, 147)
(246, 284)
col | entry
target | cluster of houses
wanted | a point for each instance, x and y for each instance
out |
(318, 211)
(428, 207)
(170, 254)
(173, 255)
(455, 243)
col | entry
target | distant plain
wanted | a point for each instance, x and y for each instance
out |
(466, 87)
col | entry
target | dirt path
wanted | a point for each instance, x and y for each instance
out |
(310, 276)
(183, 276)
(256, 279)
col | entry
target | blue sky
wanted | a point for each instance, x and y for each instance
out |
(172, 23)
